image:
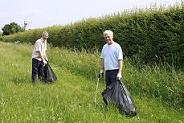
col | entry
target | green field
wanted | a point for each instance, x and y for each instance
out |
(71, 98)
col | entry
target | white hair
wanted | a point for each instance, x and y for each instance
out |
(108, 32)
(45, 33)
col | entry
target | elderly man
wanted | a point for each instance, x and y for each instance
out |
(39, 57)
(112, 59)
(116, 91)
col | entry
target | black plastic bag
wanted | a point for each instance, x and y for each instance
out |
(118, 94)
(49, 75)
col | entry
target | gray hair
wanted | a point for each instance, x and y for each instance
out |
(45, 33)
(108, 32)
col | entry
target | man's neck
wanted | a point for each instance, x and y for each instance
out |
(43, 40)
(110, 43)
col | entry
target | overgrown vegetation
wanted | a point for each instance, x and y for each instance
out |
(152, 36)
(71, 98)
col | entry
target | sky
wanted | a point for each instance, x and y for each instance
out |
(44, 13)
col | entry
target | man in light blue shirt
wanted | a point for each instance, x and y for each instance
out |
(112, 59)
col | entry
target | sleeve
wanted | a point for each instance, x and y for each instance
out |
(38, 46)
(120, 53)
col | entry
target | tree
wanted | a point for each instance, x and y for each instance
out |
(11, 28)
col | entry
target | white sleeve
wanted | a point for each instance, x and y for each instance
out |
(38, 46)
(120, 53)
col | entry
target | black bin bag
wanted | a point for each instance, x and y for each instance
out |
(118, 94)
(49, 75)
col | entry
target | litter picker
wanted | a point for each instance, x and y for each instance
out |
(97, 84)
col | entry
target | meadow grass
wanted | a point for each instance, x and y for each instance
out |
(71, 98)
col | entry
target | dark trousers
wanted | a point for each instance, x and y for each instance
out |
(111, 76)
(37, 70)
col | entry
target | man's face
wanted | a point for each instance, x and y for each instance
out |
(108, 39)
(45, 36)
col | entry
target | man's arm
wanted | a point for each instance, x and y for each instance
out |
(120, 65)
(45, 56)
(41, 55)
(45, 53)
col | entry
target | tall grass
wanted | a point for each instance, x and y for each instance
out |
(162, 82)
(71, 98)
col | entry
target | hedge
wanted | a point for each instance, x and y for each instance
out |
(151, 36)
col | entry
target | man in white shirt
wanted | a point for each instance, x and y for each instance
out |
(111, 59)
(39, 57)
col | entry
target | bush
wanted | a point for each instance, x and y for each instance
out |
(12, 28)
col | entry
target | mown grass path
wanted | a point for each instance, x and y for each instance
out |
(71, 98)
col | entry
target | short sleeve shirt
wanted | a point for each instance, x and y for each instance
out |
(111, 55)
(39, 46)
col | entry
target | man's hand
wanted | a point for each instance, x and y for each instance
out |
(101, 71)
(101, 74)
(44, 62)
(119, 76)
(46, 59)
